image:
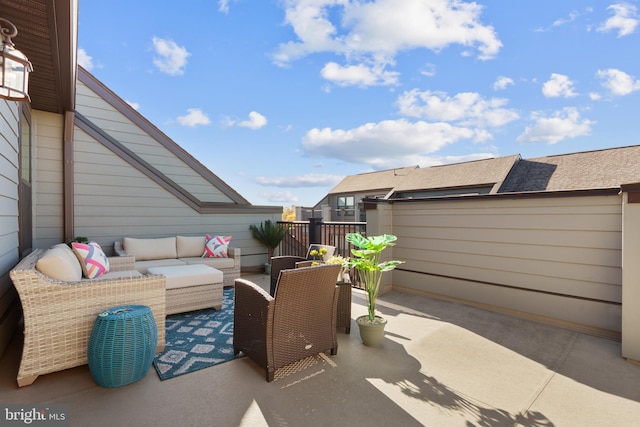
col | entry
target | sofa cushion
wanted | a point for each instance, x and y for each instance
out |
(189, 246)
(92, 259)
(211, 262)
(142, 266)
(216, 246)
(185, 276)
(148, 249)
(60, 263)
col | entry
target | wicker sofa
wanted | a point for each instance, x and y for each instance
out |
(178, 250)
(59, 315)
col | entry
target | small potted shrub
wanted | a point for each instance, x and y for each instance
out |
(269, 234)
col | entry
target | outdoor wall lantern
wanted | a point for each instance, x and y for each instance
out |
(14, 66)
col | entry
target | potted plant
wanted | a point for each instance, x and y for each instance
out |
(366, 260)
(269, 234)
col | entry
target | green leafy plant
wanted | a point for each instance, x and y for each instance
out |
(78, 239)
(269, 234)
(366, 260)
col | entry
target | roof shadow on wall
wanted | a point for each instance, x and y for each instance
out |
(528, 176)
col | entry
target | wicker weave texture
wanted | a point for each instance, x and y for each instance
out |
(122, 345)
(299, 321)
(59, 316)
(180, 300)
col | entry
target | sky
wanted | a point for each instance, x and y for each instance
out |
(282, 99)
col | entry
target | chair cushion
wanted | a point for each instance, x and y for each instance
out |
(183, 276)
(146, 249)
(92, 259)
(60, 263)
(142, 266)
(190, 246)
(216, 246)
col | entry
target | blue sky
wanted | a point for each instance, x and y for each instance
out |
(282, 99)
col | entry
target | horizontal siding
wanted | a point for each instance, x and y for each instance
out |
(127, 133)
(9, 305)
(567, 247)
(48, 180)
(117, 201)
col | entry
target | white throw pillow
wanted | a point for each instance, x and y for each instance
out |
(190, 246)
(60, 263)
(94, 262)
(148, 249)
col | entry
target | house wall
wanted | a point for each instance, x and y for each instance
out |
(118, 126)
(551, 257)
(9, 308)
(48, 185)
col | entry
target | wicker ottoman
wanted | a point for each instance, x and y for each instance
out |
(191, 287)
(122, 345)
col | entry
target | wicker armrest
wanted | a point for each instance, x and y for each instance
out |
(118, 249)
(122, 263)
(251, 318)
(59, 316)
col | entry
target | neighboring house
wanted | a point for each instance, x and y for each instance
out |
(79, 161)
(589, 170)
(344, 201)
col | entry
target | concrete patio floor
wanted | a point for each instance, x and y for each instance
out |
(441, 364)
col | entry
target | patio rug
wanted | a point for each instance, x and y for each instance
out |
(197, 340)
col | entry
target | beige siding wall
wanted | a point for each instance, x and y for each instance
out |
(9, 308)
(89, 104)
(48, 187)
(553, 257)
(114, 200)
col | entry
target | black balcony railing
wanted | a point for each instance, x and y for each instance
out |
(304, 233)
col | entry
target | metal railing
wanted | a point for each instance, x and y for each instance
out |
(304, 233)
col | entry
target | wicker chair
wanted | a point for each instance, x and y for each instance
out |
(287, 262)
(298, 322)
(59, 316)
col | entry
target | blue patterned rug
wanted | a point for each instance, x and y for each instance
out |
(197, 340)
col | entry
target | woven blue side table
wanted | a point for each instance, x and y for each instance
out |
(122, 345)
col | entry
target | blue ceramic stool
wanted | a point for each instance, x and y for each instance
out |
(122, 345)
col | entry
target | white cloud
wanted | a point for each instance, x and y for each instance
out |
(171, 58)
(280, 197)
(563, 124)
(557, 86)
(194, 117)
(133, 105)
(594, 96)
(624, 19)
(390, 143)
(85, 60)
(502, 82)
(374, 32)
(256, 121)
(358, 75)
(618, 82)
(468, 108)
(573, 15)
(223, 6)
(308, 180)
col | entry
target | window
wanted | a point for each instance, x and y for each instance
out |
(346, 202)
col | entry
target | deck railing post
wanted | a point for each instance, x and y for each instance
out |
(315, 236)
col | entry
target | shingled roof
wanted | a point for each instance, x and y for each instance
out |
(373, 181)
(589, 170)
(476, 173)
(600, 169)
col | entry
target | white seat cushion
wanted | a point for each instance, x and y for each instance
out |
(190, 246)
(143, 266)
(182, 276)
(146, 249)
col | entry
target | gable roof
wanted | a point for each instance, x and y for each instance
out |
(373, 181)
(599, 169)
(476, 173)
